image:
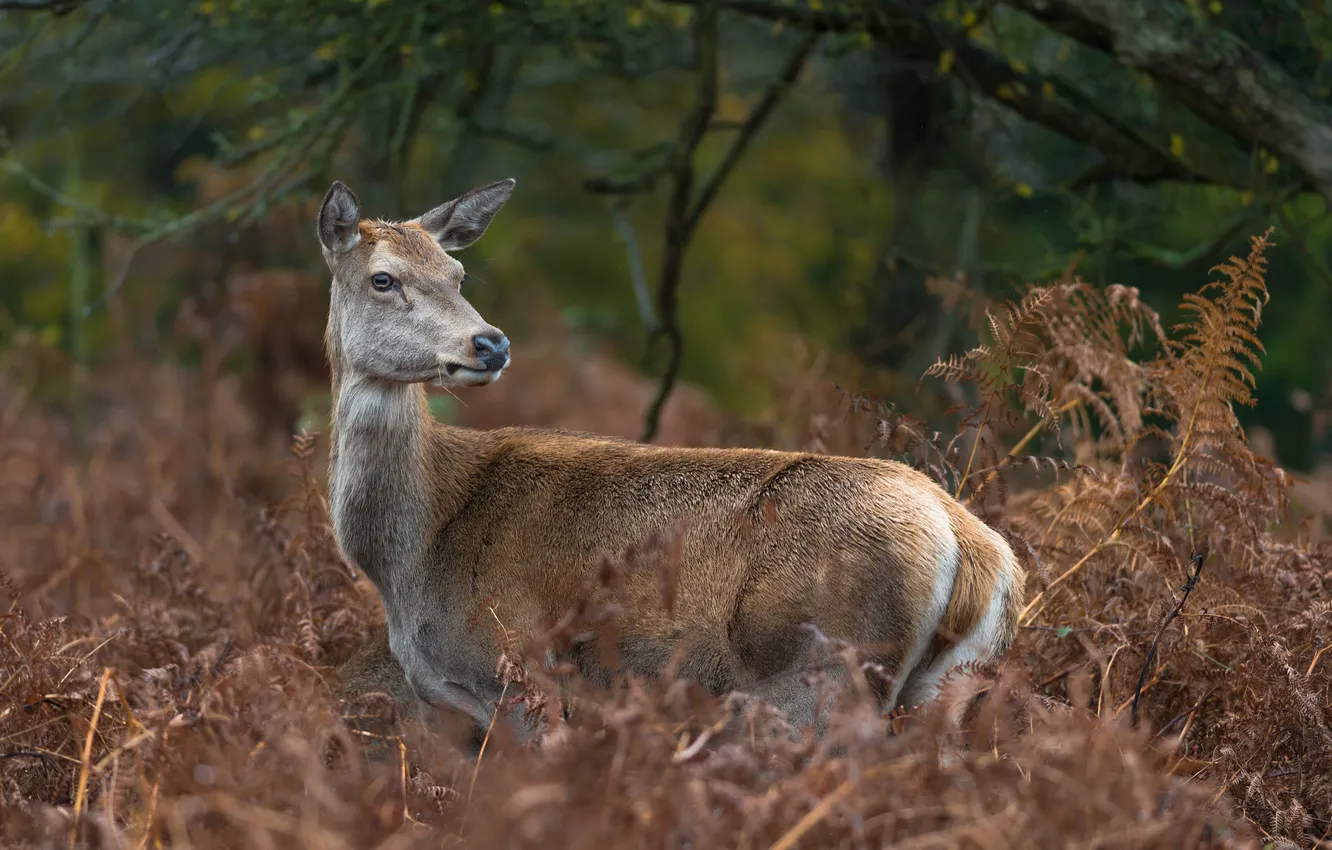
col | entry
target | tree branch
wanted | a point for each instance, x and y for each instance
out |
(817, 20)
(779, 87)
(684, 216)
(678, 230)
(536, 141)
(636, 274)
(1177, 260)
(1130, 151)
(1059, 16)
(307, 141)
(1209, 70)
(1055, 104)
(60, 7)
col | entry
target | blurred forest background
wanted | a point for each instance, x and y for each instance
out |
(727, 212)
(767, 187)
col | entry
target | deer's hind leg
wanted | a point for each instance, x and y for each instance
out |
(794, 696)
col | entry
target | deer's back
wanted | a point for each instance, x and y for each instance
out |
(580, 493)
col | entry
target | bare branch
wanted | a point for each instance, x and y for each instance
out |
(790, 71)
(305, 145)
(1207, 69)
(1131, 151)
(60, 7)
(684, 216)
(1177, 260)
(677, 216)
(818, 20)
(536, 141)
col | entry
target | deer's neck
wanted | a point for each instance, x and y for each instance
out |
(377, 493)
(395, 477)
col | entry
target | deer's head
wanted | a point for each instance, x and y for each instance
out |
(397, 308)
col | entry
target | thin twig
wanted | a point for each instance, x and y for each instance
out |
(1187, 714)
(760, 114)
(90, 654)
(1068, 671)
(1179, 260)
(322, 127)
(402, 776)
(975, 445)
(310, 832)
(29, 754)
(148, 820)
(1190, 582)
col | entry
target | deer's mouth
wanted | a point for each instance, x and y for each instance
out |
(460, 375)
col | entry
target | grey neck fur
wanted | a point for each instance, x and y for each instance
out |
(378, 498)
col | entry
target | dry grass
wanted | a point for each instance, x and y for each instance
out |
(168, 663)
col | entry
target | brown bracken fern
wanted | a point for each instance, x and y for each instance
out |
(1106, 448)
(1194, 385)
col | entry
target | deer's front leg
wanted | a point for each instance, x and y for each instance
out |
(454, 674)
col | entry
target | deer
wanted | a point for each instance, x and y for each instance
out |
(453, 525)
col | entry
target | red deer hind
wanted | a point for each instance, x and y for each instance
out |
(446, 521)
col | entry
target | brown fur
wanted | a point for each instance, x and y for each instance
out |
(459, 527)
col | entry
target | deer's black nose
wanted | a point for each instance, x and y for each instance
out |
(492, 350)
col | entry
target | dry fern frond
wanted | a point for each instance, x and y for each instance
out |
(1193, 384)
(1009, 362)
(1063, 350)
(222, 725)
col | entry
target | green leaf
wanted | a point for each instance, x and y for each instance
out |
(1064, 631)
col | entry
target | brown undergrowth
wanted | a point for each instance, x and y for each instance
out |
(176, 615)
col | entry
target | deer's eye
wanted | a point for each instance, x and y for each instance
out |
(382, 281)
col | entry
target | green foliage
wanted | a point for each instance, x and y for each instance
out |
(937, 139)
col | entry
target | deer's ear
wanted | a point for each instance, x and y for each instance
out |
(339, 220)
(461, 222)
